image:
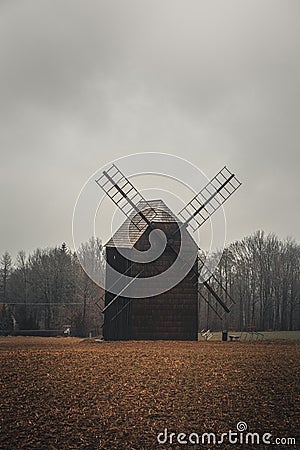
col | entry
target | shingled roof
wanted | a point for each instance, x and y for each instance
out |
(155, 210)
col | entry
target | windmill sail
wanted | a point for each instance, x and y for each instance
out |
(222, 301)
(211, 302)
(209, 199)
(122, 192)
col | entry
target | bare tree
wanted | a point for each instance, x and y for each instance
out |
(5, 272)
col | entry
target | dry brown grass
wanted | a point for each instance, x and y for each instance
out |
(72, 394)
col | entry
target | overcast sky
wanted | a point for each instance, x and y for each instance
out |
(84, 82)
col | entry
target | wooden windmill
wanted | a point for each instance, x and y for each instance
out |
(173, 313)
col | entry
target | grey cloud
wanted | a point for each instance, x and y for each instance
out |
(83, 82)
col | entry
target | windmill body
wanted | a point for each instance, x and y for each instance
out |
(172, 314)
(131, 310)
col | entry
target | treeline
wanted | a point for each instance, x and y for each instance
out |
(262, 274)
(48, 290)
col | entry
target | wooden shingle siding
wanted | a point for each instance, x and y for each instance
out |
(170, 315)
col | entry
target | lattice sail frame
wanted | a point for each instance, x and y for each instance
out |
(199, 209)
(125, 196)
(212, 282)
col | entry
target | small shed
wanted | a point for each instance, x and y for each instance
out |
(171, 315)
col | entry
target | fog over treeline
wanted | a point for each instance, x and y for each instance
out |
(48, 289)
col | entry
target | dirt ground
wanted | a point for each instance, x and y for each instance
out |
(67, 393)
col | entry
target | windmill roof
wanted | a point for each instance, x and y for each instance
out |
(133, 227)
